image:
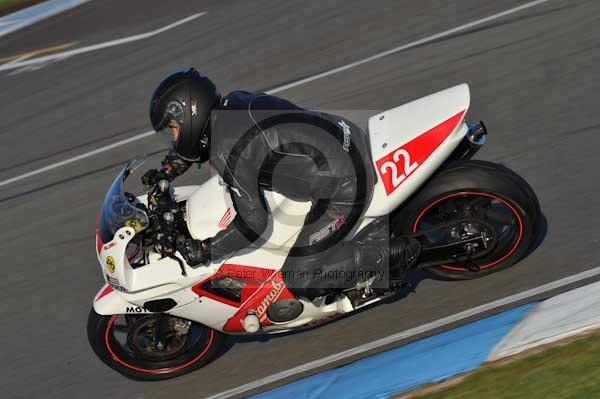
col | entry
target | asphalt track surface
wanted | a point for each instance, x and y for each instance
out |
(532, 81)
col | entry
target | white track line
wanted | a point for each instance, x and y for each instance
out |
(31, 15)
(407, 46)
(77, 158)
(408, 333)
(24, 61)
(99, 46)
(276, 89)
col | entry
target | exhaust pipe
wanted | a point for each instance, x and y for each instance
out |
(477, 134)
(474, 139)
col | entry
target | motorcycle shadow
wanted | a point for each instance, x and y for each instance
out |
(541, 230)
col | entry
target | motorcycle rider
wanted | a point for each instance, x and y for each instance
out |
(259, 143)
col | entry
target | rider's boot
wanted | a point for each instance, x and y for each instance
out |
(399, 253)
(385, 260)
(391, 259)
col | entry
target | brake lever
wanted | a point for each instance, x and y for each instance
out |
(181, 265)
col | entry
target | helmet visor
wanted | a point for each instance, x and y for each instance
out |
(169, 128)
(170, 133)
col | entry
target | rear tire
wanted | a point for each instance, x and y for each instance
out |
(502, 194)
(103, 337)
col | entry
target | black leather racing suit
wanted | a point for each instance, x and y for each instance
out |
(263, 143)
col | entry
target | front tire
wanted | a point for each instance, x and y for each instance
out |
(491, 192)
(121, 342)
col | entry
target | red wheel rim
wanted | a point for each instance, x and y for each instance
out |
(153, 371)
(474, 193)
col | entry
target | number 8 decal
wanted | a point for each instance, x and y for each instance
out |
(409, 167)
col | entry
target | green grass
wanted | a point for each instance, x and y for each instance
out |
(564, 372)
(9, 6)
(4, 3)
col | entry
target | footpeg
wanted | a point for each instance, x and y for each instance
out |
(359, 298)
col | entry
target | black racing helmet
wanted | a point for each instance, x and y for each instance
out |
(186, 97)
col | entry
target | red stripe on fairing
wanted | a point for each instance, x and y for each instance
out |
(263, 287)
(272, 290)
(99, 242)
(107, 290)
(252, 276)
(419, 150)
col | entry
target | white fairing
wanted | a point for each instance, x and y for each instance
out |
(210, 210)
(408, 144)
(389, 133)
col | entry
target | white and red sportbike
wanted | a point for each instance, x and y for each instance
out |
(157, 317)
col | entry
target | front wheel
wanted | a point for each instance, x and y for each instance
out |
(481, 191)
(130, 345)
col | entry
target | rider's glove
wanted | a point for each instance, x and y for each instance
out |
(195, 252)
(153, 176)
(150, 178)
(172, 166)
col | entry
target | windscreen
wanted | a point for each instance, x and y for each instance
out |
(117, 211)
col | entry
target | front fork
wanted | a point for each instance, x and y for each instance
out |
(161, 329)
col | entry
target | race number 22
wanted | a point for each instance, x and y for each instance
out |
(396, 166)
(396, 170)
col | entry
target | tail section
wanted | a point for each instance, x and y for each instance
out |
(409, 142)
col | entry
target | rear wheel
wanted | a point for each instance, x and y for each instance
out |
(492, 196)
(129, 344)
